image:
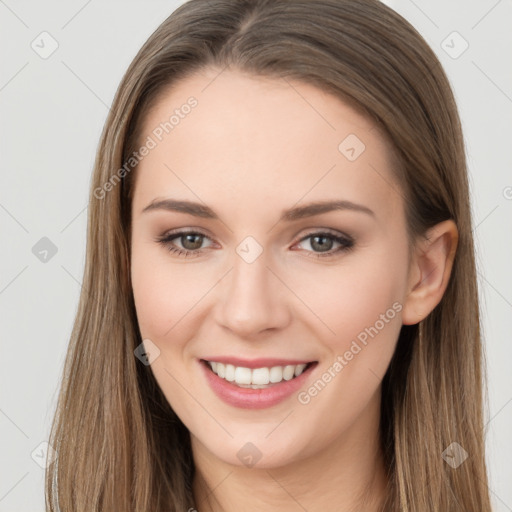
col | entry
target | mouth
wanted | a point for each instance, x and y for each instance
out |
(257, 378)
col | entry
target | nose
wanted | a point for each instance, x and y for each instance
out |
(252, 299)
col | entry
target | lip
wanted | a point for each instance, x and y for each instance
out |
(261, 362)
(248, 398)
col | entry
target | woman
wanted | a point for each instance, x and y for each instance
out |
(279, 308)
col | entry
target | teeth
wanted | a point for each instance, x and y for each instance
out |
(299, 369)
(276, 374)
(242, 375)
(258, 377)
(230, 372)
(288, 372)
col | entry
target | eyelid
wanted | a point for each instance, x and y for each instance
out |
(310, 232)
(184, 231)
(326, 231)
(172, 234)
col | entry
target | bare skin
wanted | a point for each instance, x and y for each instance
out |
(252, 148)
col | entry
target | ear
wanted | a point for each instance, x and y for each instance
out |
(430, 271)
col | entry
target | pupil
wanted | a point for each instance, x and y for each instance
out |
(196, 241)
(188, 238)
(321, 246)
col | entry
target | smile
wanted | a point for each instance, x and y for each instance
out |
(256, 378)
(255, 388)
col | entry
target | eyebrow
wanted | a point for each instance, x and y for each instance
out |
(289, 215)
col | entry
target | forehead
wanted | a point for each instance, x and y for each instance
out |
(266, 141)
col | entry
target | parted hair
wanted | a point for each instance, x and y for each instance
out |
(120, 445)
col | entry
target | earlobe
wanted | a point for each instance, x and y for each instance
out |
(430, 271)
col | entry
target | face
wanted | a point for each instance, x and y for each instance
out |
(255, 276)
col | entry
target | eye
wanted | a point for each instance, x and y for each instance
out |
(323, 242)
(190, 242)
(320, 242)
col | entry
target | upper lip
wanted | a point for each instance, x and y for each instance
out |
(261, 362)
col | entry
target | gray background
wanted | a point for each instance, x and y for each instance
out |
(52, 113)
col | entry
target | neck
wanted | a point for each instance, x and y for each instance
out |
(346, 476)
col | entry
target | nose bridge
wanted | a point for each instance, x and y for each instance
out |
(251, 300)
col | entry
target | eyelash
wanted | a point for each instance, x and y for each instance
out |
(347, 243)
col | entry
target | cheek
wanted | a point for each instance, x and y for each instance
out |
(366, 300)
(352, 296)
(163, 292)
(364, 311)
(359, 304)
(372, 321)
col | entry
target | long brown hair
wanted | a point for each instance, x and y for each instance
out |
(120, 445)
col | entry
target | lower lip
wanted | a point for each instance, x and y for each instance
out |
(248, 398)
